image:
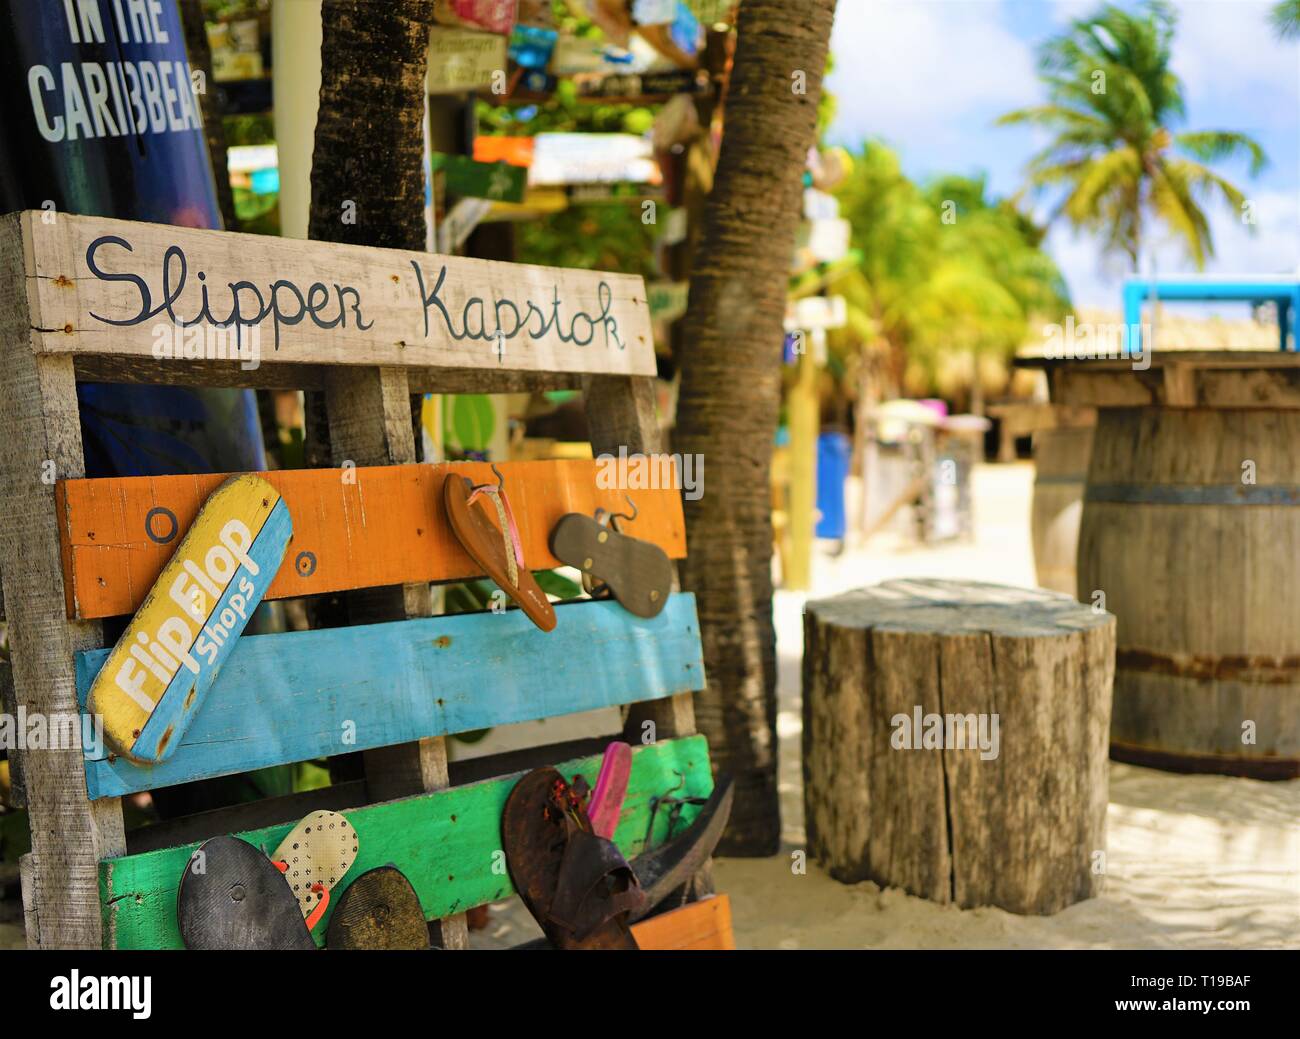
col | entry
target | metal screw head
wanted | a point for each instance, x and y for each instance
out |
(237, 893)
(586, 563)
(654, 595)
(603, 536)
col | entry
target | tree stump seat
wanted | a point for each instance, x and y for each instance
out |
(955, 741)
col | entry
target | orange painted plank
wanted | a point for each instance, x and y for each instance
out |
(700, 926)
(357, 528)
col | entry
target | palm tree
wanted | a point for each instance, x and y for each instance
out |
(1285, 17)
(1113, 100)
(731, 391)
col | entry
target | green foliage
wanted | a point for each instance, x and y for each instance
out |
(603, 237)
(1114, 162)
(1285, 17)
(944, 269)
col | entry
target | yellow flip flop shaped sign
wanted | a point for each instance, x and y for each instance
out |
(158, 673)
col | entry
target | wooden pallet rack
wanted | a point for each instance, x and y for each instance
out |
(92, 299)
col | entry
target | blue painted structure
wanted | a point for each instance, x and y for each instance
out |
(1284, 290)
(301, 695)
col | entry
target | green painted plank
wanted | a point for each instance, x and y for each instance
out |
(445, 843)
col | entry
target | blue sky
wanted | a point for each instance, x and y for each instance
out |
(930, 77)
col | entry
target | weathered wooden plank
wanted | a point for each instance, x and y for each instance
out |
(152, 371)
(701, 926)
(100, 286)
(444, 842)
(299, 695)
(353, 528)
(40, 438)
(621, 417)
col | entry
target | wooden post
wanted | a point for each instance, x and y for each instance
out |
(621, 413)
(370, 424)
(803, 421)
(40, 441)
(955, 741)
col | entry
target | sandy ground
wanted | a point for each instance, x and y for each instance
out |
(1192, 862)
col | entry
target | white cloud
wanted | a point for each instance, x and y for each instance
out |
(1225, 50)
(908, 70)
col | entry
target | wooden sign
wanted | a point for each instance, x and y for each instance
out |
(174, 294)
(461, 59)
(493, 16)
(499, 181)
(156, 677)
(668, 299)
(703, 926)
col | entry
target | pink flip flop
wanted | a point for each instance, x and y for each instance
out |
(606, 801)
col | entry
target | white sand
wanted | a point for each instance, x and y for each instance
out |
(1193, 861)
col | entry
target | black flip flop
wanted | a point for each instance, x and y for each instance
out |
(379, 910)
(232, 897)
(663, 870)
(577, 885)
(637, 573)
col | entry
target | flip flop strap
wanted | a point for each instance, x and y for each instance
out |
(595, 885)
(509, 531)
(313, 918)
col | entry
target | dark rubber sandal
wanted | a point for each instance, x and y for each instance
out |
(232, 897)
(637, 573)
(495, 548)
(378, 910)
(671, 865)
(578, 886)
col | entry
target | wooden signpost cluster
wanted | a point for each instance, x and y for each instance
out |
(96, 299)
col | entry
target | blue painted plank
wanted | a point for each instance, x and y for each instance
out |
(301, 695)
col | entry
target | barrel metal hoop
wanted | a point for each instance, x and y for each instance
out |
(1071, 478)
(1193, 494)
(1256, 669)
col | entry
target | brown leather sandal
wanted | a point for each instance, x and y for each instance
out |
(578, 886)
(495, 548)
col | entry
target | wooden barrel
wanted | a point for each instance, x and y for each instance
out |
(1061, 470)
(1191, 530)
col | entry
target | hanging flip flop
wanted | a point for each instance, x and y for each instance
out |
(607, 795)
(231, 896)
(379, 910)
(578, 886)
(314, 856)
(665, 869)
(495, 548)
(637, 573)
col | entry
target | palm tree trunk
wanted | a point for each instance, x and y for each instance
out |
(731, 392)
(367, 174)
